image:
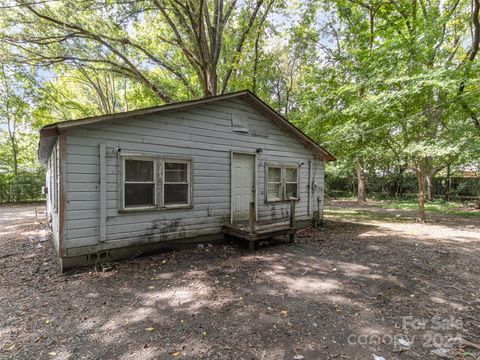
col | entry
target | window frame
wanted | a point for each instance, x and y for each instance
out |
(283, 185)
(159, 176)
(297, 168)
(188, 182)
(280, 198)
(155, 182)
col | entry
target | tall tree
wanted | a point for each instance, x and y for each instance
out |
(390, 79)
(13, 114)
(17, 139)
(195, 43)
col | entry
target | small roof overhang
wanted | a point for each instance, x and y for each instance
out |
(49, 133)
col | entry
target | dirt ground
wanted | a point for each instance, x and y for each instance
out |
(363, 286)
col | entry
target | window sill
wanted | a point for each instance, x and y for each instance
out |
(155, 209)
(281, 200)
(173, 207)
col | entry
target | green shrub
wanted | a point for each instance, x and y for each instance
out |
(25, 187)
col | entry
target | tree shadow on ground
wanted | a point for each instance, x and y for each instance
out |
(314, 298)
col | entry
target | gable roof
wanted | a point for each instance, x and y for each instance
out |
(49, 133)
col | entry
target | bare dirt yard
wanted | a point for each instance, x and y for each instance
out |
(370, 284)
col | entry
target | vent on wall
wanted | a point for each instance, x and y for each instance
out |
(240, 123)
(98, 256)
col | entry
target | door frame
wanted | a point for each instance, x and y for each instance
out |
(255, 179)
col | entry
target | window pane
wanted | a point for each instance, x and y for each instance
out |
(292, 191)
(175, 172)
(139, 194)
(291, 175)
(274, 192)
(138, 170)
(175, 194)
(274, 174)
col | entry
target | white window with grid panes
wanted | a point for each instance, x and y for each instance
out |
(154, 183)
(281, 182)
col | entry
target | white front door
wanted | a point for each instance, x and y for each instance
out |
(243, 185)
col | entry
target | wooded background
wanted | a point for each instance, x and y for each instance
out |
(391, 88)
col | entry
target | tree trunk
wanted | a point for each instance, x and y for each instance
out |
(448, 184)
(13, 140)
(14, 151)
(361, 195)
(399, 190)
(212, 80)
(354, 187)
(209, 81)
(421, 196)
(429, 185)
(255, 64)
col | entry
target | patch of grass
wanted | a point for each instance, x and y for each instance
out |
(362, 215)
(439, 207)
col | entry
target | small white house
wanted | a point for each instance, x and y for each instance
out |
(123, 184)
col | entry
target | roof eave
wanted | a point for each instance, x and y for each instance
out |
(48, 138)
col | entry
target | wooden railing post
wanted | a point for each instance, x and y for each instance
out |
(251, 243)
(320, 212)
(292, 221)
(316, 215)
(252, 217)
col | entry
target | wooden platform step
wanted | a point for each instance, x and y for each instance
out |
(259, 233)
(254, 230)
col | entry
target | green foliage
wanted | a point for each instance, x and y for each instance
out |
(392, 186)
(391, 97)
(176, 50)
(439, 207)
(389, 87)
(24, 187)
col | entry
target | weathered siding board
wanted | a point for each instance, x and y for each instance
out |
(151, 143)
(83, 168)
(204, 134)
(103, 192)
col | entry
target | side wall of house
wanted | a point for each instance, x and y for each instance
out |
(52, 199)
(206, 135)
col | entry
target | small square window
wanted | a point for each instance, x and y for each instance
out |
(139, 194)
(291, 175)
(176, 172)
(274, 174)
(282, 183)
(291, 191)
(138, 170)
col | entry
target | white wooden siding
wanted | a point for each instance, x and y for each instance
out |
(203, 133)
(51, 181)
